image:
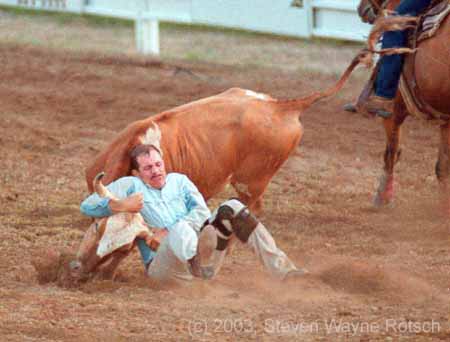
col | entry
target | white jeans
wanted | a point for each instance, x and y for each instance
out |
(166, 266)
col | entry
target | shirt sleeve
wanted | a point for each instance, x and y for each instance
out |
(198, 211)
(96, 206)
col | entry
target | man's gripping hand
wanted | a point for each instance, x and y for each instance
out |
(156, 238)
(130, 204)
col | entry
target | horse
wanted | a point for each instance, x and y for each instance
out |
(431, 66)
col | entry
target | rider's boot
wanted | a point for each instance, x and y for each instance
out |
(350, 107)
(381, 106)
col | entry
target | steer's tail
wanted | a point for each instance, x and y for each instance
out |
(300, 104)
(100, 189)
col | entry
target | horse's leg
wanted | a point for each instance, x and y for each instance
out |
(385, 191)
(443, 167)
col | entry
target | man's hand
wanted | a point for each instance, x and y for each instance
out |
(131, 204)
(155, 240)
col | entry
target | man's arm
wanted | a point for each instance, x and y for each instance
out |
(130, 204)
(127, 200)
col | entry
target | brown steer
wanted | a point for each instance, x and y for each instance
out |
(108, 240)
(238, 137)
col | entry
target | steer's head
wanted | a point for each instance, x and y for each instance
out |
(87, 259)
(111, 236)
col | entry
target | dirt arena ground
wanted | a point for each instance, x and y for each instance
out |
(375, 275)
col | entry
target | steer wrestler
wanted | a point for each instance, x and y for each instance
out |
(192, 241)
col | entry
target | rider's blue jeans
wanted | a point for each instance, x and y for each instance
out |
(388, 76)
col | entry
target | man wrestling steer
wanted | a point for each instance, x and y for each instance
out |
(191, 241)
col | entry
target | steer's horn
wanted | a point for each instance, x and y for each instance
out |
(100, 188)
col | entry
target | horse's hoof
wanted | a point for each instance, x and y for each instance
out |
(75, 265)
(381, 202)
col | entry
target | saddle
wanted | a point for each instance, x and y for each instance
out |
(429, 24)
(432, 20)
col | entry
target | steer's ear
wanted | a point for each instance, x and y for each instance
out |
(134, 173)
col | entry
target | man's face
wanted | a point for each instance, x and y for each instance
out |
(151, 169)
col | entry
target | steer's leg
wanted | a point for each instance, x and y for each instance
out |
(443, 167)
(250, 194)
(250, 191)
(250, 180)
(87, 258)
(385, 191)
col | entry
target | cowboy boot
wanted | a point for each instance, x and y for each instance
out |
(377, 105)
(380, 106)
(350, 107)
(200, 264)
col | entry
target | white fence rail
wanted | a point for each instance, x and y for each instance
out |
(308, 18)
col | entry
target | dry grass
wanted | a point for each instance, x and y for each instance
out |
(179, 42)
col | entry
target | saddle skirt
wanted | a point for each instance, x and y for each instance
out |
(432, 20)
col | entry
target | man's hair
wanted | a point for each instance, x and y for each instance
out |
(139, 150)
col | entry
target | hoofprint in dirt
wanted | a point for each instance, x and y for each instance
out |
(375, 275)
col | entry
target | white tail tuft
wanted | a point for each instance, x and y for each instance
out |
(152, 137)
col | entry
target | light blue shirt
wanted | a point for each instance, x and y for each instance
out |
(179, 200)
